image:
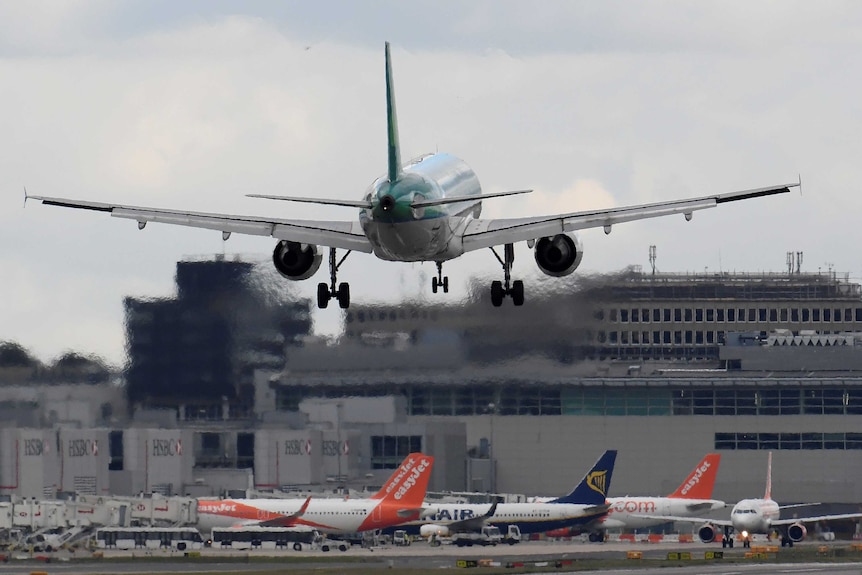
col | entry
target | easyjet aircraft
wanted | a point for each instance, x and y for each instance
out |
(692, 497)
(425, 210)
(399, 500)
(759, 516)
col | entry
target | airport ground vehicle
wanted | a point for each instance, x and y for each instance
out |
(179, 538)
(400, 538)
(257, 537)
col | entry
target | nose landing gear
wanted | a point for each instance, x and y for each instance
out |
(326, 292)
(440, 281)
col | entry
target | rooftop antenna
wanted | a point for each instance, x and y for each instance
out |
(789, 263)
(652, 258)
(798, 262)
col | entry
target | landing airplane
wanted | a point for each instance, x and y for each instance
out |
(399, 500)
(693, 496)
(427, 209)
(584, 505)
(758, 516)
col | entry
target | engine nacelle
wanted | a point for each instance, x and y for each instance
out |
(706, 533)
(296, 261)
(559, 255)
(430, 530)
(796, 532)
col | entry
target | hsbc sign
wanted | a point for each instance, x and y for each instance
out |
(167, 447)
(35, 447)
(83, 447)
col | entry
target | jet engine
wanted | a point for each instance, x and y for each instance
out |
(296, 261)
(706, 533)
(796, 532)
(559, 255)
(431, 530)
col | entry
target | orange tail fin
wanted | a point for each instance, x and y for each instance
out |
(407, 486)
(768, 494)
(699, 483)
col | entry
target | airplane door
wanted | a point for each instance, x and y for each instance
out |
(377, 514)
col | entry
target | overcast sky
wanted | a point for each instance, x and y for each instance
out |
(193, 104)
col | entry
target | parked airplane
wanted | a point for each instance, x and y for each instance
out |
(693, 496)
(758, 516)
(425, 210)
(400, 499)
(584, 505)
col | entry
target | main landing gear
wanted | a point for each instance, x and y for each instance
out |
(507, 287)
(727, 540)
(326, 292)
(440, 281)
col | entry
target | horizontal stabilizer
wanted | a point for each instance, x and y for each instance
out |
(320, 201)
(441, 201)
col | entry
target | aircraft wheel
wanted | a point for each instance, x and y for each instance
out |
(518, 292)
(322, 295)
(497, 293)
(594, 537)
(434, 285)
(344, 295)
(446, 284)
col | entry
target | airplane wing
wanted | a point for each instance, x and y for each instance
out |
(488, 233)
(288, 520)
(473, 523)
(334, 234)
(719, 522)
(816, 518)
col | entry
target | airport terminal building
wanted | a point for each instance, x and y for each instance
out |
(662, 367)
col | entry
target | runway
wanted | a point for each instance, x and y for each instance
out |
(558, 557)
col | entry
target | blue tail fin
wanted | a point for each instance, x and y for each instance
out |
(593, 488)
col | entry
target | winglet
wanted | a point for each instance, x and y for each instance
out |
(800, 184)
(408, 485)
(593, 488)
(768, 477)
(25, 196)
(700, 482)
(394, 148)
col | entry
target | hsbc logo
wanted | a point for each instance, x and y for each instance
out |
(297, 447)
(83, 447)
(35, 447)
(167, 447)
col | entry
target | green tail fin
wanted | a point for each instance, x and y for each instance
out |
(392, 123)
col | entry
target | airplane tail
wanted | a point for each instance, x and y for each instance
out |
(700, 482)
(768, 494)
(593, 488)
(394, 146)
(409, 482)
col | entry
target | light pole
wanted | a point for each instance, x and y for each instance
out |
(492, 409)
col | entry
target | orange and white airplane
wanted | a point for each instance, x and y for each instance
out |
(759, 515)
(692, 497)
(399, 500)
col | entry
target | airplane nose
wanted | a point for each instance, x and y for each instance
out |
(387, 203)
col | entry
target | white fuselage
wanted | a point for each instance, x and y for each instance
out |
(529, 517)
(629, 512)
(754, 515)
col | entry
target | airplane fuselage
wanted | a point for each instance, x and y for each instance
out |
(530, 518)
(631, 512)
(399, 232)
(333, 516)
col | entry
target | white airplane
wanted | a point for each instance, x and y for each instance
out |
(759, 516)
(425, 210)
(693, 496)
(399, 500)
(584, 505)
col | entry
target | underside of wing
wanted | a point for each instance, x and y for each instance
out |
(719, 522)
(816, 518)
(488, 233)
(335, 234)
